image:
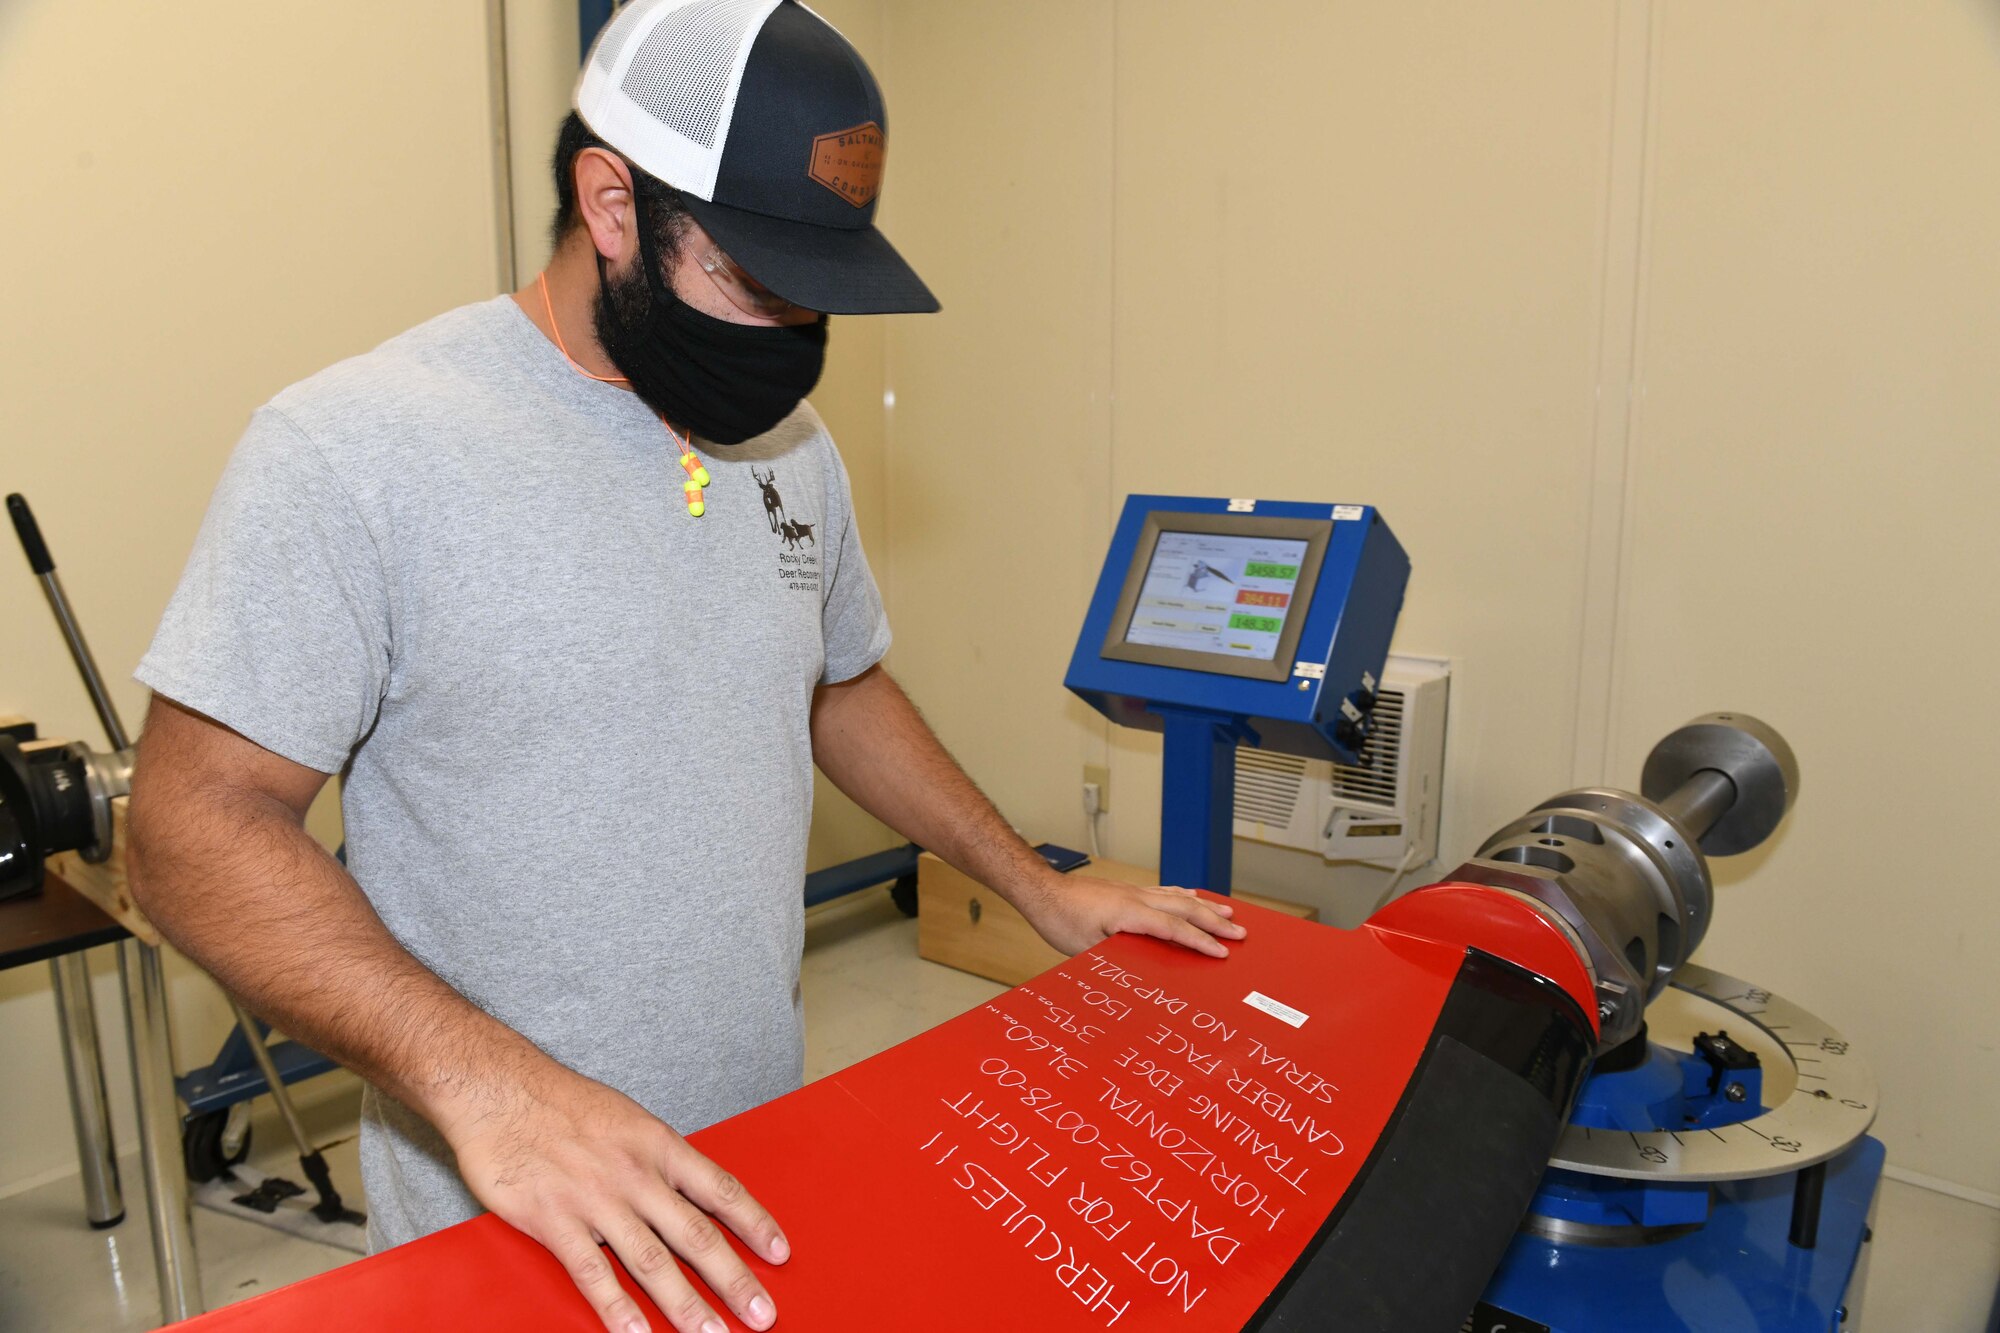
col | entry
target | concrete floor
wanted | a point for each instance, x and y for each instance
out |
(1935, 1270)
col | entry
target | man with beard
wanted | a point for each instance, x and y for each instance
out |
(521, 574)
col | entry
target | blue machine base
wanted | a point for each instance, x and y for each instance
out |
(864, 872)
(1738, 1274)
(234, 1076)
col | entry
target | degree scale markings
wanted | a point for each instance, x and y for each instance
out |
(1806, 1125)
(1141, 1147)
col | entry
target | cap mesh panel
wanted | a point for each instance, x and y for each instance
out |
(681, 74)
(616, 34)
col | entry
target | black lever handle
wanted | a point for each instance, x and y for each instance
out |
(30, 534)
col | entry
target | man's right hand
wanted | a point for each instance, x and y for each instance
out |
(572, 1162)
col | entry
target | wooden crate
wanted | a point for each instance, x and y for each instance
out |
(963, 924)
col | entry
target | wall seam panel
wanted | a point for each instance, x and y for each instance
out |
(1615, 390)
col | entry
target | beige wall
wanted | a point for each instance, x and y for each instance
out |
(998, 472)
(1813, 467)
(1664, 334)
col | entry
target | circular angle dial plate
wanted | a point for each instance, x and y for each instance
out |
(1821, 1096)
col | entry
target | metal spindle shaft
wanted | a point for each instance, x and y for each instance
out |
(86, 665)
(148, 1025)
(96, 1152)
(272, 1079)
(1697, 803)
(43, 566)
(139, 966)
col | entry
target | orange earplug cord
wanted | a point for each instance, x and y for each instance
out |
(697, 475)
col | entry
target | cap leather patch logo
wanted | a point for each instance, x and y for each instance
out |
(849, 162)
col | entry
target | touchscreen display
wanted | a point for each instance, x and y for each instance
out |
(1217, 593)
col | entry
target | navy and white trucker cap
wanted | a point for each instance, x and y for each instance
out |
(772, 128)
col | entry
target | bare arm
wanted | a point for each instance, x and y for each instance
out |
(871, 741)
(221, 862)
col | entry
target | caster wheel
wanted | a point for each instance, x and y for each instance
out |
(201, 1147)
(904, 894)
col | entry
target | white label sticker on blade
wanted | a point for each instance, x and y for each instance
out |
(1277, 1009)
(1348, 513)
(1242, 506)
(1310, 670)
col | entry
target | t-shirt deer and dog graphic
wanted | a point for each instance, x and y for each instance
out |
(794, 534)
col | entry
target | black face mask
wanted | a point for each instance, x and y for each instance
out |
(724, 382)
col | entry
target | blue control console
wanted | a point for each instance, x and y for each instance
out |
(1226, 622)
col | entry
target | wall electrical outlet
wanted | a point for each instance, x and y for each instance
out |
(1100, 777)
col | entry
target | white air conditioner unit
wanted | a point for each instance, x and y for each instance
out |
(1382, 811)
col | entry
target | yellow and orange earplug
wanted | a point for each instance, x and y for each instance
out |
(697, 475)
(697, 478)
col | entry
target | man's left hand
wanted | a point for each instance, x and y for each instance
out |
(1073, 912)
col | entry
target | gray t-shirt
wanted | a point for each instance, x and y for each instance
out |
(573, 718)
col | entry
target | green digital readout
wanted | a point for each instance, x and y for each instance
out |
(1225, 593)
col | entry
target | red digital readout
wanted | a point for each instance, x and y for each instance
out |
(1251, 597)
